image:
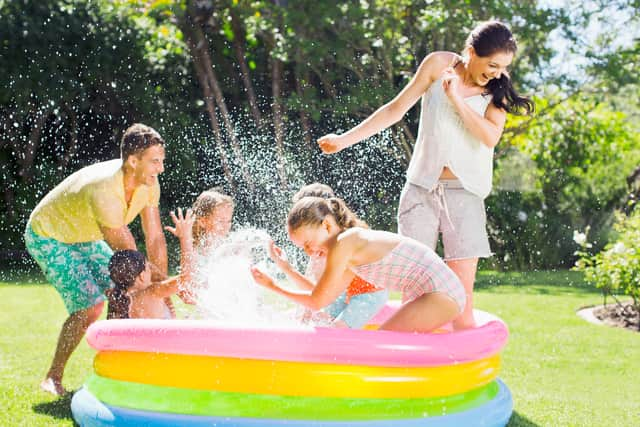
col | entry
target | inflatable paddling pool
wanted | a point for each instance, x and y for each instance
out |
(197, 373)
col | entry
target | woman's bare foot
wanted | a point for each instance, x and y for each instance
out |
(53, 386)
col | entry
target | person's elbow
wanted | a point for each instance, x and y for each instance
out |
(318, 302)
(393, 112)
(492, 139)
(155, 238)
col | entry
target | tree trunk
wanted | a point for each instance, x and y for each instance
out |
(213, 118)
(199, 48)
(25, 154)
(239, 43)
(278, 126)
(8, 188)
(304, 117)
(72, 145)
(407, 146)
(328, 87)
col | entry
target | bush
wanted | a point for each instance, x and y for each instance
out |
(616, 269)
(565, 172)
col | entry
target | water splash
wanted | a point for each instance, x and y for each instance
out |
(227, 292)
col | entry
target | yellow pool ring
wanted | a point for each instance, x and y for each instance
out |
(294, 378)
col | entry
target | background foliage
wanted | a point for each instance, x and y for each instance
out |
(241, 89)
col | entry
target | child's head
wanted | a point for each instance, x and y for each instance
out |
(312, 221)
(314, 190)
(129, 271)
(213, 211)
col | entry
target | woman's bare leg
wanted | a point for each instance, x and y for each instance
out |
(465, 269)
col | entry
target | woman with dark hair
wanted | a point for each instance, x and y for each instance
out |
(465, 101)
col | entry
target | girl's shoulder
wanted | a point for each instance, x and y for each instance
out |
(351, 239)
(351, 235)
(358, 237)
(436, 62)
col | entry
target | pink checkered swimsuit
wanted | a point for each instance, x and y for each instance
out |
(414, 269)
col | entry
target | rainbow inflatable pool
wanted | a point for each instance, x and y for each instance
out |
(196, 373)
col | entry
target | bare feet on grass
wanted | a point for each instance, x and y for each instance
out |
(53, 386)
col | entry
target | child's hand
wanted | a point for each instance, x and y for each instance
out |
(187, 296)
(183, 224)
(278, 256)
(262, 278)
(330, 143)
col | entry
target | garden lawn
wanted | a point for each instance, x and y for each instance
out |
(561, 370)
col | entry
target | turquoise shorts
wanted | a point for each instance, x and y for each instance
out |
(78, 271)
(360, 309)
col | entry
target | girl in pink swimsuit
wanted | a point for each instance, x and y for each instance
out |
(432, 294)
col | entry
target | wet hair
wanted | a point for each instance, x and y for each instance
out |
(314, 190)
(204, 206)
(489, 38)
(124, 267)
(137, 138)
(312, 210)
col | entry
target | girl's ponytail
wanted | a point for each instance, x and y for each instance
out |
(118, 303)
(343, 215)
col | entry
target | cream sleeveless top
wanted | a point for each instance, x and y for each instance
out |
(443, 141)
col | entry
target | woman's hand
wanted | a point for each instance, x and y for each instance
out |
(450, 83)
(262, 278)
(331, 143)
(183, 224)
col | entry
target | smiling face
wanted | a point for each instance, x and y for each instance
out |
(218, 223)
(147, 165)
(314, 239)
(486, 68)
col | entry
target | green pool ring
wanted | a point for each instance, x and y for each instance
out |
(206, 402)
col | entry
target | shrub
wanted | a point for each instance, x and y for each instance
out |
(615, 269)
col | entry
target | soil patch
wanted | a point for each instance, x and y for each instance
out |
(622, 315)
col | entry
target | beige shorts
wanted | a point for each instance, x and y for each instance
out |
(448, 209)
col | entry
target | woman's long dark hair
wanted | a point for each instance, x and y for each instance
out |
(124, 267)
(487, 39)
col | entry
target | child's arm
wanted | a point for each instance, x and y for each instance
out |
(163, 289)
(183, 230)
(299, 279)
(334, 280)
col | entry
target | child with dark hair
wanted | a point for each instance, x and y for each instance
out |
(134, 294)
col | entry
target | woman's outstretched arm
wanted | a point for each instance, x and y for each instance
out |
(390, 113)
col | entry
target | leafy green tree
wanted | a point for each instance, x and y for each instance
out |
(580, 152)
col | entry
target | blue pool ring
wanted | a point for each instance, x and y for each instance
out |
(88, 411)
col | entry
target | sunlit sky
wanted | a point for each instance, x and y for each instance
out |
(568, 63)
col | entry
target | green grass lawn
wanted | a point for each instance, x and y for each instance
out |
(561, 370)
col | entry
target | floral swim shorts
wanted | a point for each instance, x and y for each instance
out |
(78, 271)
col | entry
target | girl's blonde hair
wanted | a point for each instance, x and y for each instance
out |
(313, 210)
(204, 206)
